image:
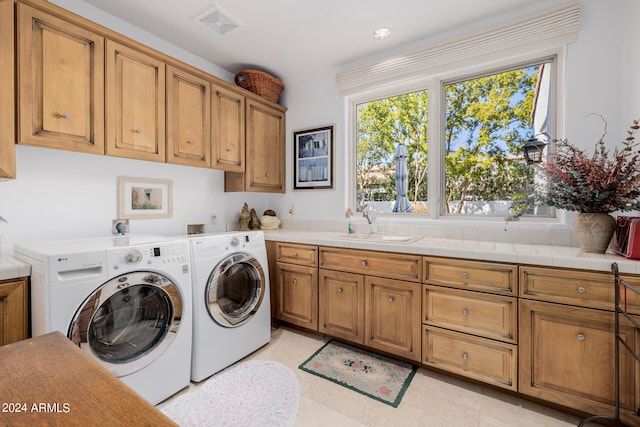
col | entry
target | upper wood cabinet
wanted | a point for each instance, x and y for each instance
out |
(60, 83)
(265, 163)
(7, 89)
(188, 119)
(135, 104)
(227, 129)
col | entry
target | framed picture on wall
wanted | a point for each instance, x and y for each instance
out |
(144, 198)
(313, 158)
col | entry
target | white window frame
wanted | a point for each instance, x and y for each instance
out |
(434, 84)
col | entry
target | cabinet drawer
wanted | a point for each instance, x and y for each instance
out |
(478, 358)
(292, 253)
(474, 275)
(582, 288)
(486, 315)
(371, 263)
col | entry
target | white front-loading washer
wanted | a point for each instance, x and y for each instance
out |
(129, 307)
(231, 308)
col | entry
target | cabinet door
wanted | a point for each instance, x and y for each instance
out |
(227, 129)
(567, 357)
(135, 97)
(264, 168)
(60, 83)
(392, 316)
(297, 295)
(341, 305)
(7, 89)
(13, 310)
(188, 119)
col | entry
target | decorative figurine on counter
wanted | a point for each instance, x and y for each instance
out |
(245, 217)
(254, 223)
(269, 220)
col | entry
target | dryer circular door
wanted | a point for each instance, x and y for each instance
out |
(129, 321)
(235, 289)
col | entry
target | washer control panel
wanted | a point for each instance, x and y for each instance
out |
(152, 255)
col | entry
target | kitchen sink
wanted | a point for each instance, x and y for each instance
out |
(379, 238)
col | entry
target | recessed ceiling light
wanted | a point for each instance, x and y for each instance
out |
(382, 33)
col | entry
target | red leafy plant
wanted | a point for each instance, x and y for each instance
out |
(594, 183)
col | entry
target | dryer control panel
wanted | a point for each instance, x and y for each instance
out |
(160, 255)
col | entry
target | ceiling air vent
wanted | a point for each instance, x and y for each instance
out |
(217, 20)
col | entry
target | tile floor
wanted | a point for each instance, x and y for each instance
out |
(432, 399)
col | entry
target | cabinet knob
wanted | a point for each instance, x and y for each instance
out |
(229, 149)
(363, 263)
(390, 299)
(465, 356)
(294, 281)
(190, 141)
(294, 254)
(581, 337)
(267, 174)
(465, 275)
(64, 116)
(582, 290)
(465, 312)
(138, 131)
(339, 290)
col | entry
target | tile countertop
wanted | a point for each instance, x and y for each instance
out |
(11, 268)
(544, 255)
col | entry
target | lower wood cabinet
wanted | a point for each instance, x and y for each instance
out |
(297, 295)
(296, 283)
(341, 305)
(567, 357)
(14, 316)
(392, 316)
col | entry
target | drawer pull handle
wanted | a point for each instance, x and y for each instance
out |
(294, 254)
(465, 312)
(581, 337)
(465, 356)
(364, 263)
(190, 141)
(465, 275)
(339, 290)
(390, 299)
(294, 281)
(138, 131)
(582, 290)
(64, 116)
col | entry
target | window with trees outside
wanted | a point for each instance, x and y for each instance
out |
(484, 120)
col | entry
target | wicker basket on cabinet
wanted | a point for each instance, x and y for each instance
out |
(260, 83)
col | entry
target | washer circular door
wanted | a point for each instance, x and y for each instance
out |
(129, 321)
(235, 289)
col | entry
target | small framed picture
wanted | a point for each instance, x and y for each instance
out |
(144, 198)
(313, 159)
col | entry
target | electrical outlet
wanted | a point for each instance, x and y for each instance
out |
(213, 219)
(292, 210)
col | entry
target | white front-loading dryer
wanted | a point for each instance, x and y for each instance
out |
(129, 307)
(231, 307)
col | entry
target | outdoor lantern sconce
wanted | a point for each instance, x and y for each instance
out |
(533, 149)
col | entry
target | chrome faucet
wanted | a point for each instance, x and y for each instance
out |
(370, 214)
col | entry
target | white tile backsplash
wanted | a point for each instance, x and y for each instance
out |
(537, 234)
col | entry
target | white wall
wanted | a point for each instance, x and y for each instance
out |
(601, 78)
(60, 194)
